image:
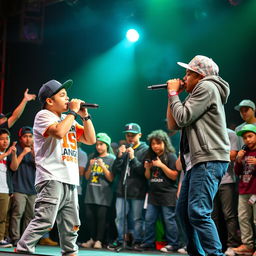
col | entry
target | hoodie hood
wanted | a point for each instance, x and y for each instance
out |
(222, 86)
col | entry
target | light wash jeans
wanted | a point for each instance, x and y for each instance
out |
(195, 205)
(134, 210)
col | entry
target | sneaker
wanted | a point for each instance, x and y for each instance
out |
(135, 245)
(47, 241)
(19, 251)
(182, 250)
(5, 244)
(97, 245)
(144, 247)
(168, 248)
(114, 245)
(88, 244)
(243, 249)
(229, 252)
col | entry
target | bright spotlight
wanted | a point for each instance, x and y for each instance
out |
(132, 35)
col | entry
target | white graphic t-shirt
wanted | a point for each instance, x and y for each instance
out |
(56, 159)
(3, 176)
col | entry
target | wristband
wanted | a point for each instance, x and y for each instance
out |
(172, 93)
(71, 112)
(86, 118)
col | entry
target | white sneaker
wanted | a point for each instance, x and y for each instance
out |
(229, 252)
(97, 245)
(5, 244)
(167, 248)
(88, 244)
(182, 250)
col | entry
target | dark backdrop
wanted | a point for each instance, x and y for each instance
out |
(85, 42)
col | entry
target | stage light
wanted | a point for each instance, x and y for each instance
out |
(132, 35)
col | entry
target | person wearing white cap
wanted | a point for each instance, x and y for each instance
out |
(204, 149)
(247, 113)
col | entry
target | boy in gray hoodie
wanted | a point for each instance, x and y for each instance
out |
(204, 149)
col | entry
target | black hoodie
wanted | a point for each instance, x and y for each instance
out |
(136, 181)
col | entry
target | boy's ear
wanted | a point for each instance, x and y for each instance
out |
(49, 101)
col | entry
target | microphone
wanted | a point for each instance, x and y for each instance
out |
(157, 87)
(88, 105)
(245, 147)
(162, 86)
(129, 145)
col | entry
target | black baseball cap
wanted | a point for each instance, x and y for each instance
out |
(51, 87)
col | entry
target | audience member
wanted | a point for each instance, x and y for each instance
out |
(225, 202)
(247, 113)
(99, 194)
(130, 161)
(161, 172)
(24, 195)
(8, 159)
(8, 120)
(245, 168)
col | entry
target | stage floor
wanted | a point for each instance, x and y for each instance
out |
(54, 251)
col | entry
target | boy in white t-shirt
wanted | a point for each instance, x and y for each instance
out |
(57, 175)
(6, 188)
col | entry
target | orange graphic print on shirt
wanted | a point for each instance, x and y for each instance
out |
(69, 144)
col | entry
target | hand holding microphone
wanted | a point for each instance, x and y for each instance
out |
(80, 107)
(173, 85)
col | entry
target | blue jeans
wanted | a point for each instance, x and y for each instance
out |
(168, 217)
(134, 210)
(195, 205)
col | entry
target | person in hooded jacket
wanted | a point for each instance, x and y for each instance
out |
(204, 149)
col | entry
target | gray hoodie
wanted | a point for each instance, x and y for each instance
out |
(202, 117)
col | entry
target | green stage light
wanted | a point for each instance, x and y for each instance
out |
(132, 35)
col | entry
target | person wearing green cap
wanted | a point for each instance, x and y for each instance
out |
(247, 112)
(245, 169)
(98, 196)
